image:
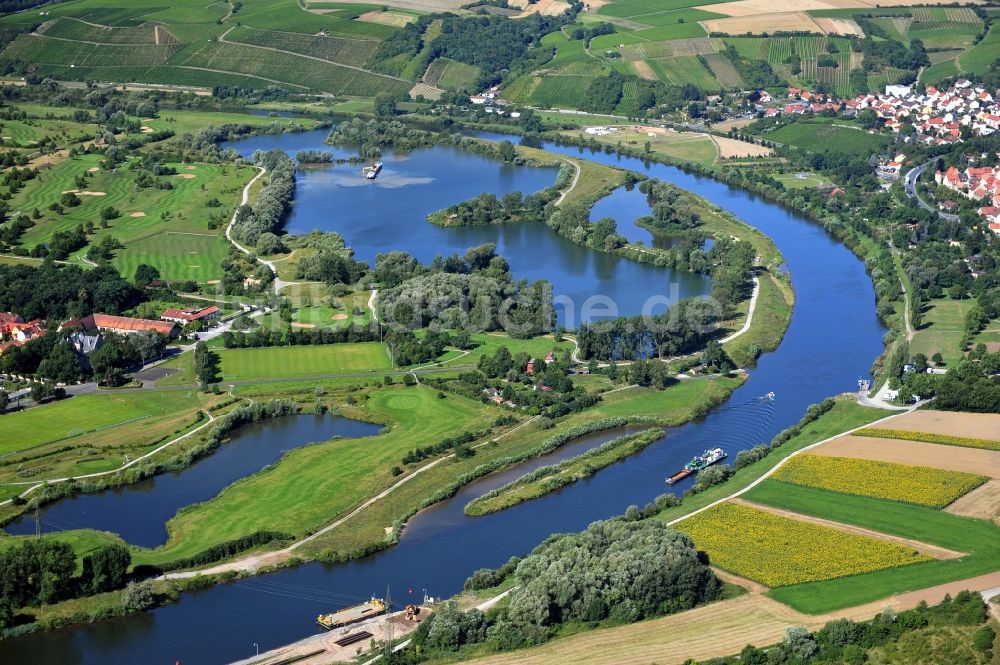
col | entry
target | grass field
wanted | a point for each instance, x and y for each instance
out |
(980, 539)
(825, 136)
(86, 413)
(778, 551)
(329, 479)
(918, 485)
(799, 180)
(941, 329)
(302, 361)
(178, 256)
(670, 146)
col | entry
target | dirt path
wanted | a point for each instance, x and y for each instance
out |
(572, 185)
(51, 481)
(923, 548)
(982, 502)
(951, 458)
(237, 74)
(255, 562)
(371, 304)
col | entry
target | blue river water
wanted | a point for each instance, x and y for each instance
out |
(832, 340)
(139, 512)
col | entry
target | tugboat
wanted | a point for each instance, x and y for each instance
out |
(372, 171)
(706, 459)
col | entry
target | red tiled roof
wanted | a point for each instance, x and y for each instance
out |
(128, 324)
(189, 314)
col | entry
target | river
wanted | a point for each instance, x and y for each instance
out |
(139, 512)
(832, 340)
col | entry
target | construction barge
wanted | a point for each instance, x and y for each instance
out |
(349, 615)
(706, 459)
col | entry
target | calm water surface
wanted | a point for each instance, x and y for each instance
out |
(832, 340)
(139, 512)
(390, 213)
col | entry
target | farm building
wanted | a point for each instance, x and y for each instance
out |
(126, 325)
(185, 316)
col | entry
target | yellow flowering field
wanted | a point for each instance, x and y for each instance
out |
(881, 480)
(929, 437)
(778, 551)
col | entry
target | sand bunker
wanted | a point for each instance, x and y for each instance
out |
(138, 214)
(146, 130)
(93, 169)
(84, 192)
(303, 325)
(338, 317)
(186, 176)
(190, 168)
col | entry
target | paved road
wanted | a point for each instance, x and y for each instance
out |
(910, 185)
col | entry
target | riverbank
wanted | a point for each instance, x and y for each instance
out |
(547, 479)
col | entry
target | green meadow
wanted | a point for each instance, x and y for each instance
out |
(302, 361)
(86, 413)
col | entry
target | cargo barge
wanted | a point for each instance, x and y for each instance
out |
(348, 615)
(706, 459)
(372, 171)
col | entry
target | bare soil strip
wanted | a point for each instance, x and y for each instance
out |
(950, 458)
(735, 148)
(982, 502)
(644, 71)
(923, 548)
(975, 425)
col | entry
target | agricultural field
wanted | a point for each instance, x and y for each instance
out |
(929, 437)
(919, 485)
(778, 551)
(449, 74)
(977, 540)
(826, 136)
(270, 43)
(302, 361)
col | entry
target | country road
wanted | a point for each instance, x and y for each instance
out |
(910, 186)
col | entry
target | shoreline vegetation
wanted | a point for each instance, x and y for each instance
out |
(547, 479)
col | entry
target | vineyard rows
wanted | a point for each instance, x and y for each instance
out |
(285, 67)
(669, 48)
(629, 104)
(434, 71)
(69, 28)
(348, 51)
(724, 71)
(42, 50)
(560, 91)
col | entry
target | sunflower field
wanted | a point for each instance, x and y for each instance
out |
(919, 485)
(929, 437)
(778, 551)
